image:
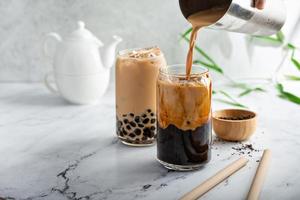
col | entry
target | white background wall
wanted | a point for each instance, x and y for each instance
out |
(140, 23)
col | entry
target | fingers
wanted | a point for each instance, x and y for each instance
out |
(260, 4)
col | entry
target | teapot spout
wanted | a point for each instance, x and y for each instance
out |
(109, 53)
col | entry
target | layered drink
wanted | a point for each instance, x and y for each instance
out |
(184, 117)
(136, 75)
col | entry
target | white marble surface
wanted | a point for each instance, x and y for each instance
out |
(52, 150)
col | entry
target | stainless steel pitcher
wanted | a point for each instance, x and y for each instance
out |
(241, 16)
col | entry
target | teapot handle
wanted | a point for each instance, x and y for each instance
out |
(54, 36)
(48, 85)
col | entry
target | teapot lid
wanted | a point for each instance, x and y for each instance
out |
(83, 33)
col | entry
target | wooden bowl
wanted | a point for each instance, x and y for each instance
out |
(234, 124)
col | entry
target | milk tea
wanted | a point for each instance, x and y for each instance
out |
(136, 74)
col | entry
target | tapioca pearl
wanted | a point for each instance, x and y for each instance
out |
(144, 138)
(131, 114)
(132, 124)
(126, 121)
(137, 131)
(152, 114)
(124, 115)
(152, 128)
(144, 116)
(153, 121)
(152, 134)
(124, 131)
(137, 119)
(141, 125)
(149, 110)
(147, 132)
(145, 121)
(128, 127)
(131, 135)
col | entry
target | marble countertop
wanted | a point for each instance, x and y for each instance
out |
(53, 150)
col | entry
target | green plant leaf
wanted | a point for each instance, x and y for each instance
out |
(292, 77)
(231, 103)
(246, 88)
(246, 92)
(186, 33)
(227, 95)
(269, 39)
(296, 63)
(210, 66)
(200, 51)
(231, 100)
(259, 89)
(280, 36)
(250, 90)
(235, 84)
(290, 46)
(279, 87)
(287, 95)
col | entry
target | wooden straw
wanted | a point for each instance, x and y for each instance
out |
(215, 180)
(260, 176)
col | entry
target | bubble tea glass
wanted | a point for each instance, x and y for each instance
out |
(136, 75)
(184, 118)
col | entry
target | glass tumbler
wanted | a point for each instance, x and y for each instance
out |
(136, 75)
(184, 118)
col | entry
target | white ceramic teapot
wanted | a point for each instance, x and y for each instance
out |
(81, 74)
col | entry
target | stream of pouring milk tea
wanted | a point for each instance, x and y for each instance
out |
(198, 21)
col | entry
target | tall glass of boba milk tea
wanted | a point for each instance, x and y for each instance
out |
(136, 75)
(184, 117)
